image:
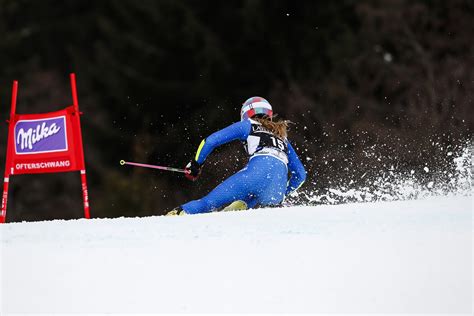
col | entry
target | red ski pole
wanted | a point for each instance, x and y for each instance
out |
(144, 165)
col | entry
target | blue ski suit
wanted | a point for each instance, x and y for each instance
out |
(264, 181)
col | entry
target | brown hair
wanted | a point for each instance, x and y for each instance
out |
(279, 128)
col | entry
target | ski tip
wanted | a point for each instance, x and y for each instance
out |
(122, 162)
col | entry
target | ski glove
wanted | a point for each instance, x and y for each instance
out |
(193, 170)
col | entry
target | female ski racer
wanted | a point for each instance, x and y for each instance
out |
(264, 181)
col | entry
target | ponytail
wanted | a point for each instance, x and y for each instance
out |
(279, 128)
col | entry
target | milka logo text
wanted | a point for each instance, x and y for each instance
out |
(26, 139)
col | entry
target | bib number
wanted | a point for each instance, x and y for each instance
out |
(278, 143)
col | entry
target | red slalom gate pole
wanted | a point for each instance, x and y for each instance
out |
(4, 199)
(85, 193)
(8, 167)
(144, 165)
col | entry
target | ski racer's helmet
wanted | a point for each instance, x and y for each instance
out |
(255, 106)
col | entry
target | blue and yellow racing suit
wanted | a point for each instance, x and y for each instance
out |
(264, 181)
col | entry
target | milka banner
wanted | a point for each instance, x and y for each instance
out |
(41, 136)
(45, 143)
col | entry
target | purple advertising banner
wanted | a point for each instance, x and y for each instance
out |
(41, 135)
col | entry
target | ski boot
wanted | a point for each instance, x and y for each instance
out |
(235, 206)
(177, 211)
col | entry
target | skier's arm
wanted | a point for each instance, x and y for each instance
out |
(239, 130)
(296, 169)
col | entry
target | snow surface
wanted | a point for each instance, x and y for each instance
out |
(401, 257)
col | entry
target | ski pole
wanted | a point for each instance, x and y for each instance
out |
(144, 165)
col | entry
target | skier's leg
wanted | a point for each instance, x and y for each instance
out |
(274, 192)
(241, 205)
(236, 187)
(262, 182)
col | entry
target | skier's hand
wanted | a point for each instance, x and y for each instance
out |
(193, 170)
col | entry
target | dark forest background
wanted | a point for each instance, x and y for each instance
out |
(390, 78)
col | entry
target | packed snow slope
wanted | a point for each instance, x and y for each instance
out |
(402, 257)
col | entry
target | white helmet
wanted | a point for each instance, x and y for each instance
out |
(254, 106)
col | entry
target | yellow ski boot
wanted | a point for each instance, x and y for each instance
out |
(235, 206)
(178, 211)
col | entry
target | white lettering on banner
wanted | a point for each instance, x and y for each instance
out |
(43, 165)
(32, 136)
(4, 202)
